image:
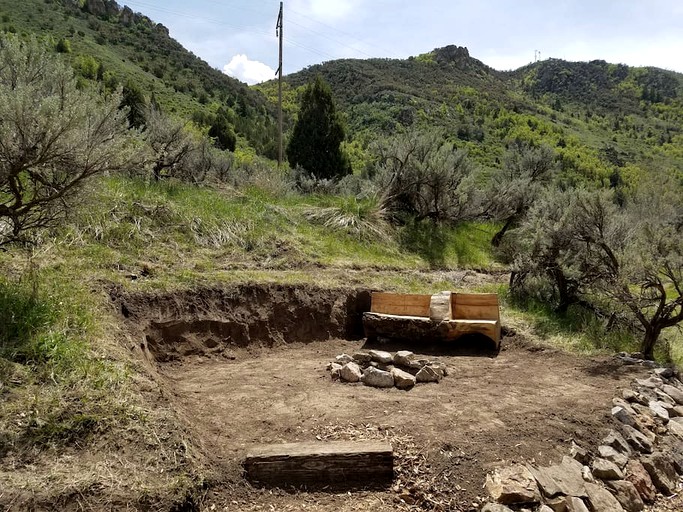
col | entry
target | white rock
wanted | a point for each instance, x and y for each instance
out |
(403, 358)
(659, 411)
(403, 380)
(377, 378)
(428, 374)
(343, 359)
(674, 393)
(381, 356)
(350, 372)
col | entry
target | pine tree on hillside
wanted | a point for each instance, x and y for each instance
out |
(318, 134)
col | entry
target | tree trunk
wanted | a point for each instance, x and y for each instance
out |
(647, 346)
(566, 298)
(498, 237)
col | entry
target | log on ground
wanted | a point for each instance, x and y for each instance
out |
(345, 464)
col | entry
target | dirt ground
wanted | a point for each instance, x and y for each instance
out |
(524, 404)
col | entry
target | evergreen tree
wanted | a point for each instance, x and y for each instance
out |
(134, 99)
(222, 133)
(318, 134)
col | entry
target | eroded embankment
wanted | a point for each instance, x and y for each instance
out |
(168, 327)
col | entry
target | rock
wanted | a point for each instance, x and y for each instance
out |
(381, 356)
(618, 402)
(610, 454)
(640, 478)
(637, 440)
(558, 504)
(664, 373)
(362, 357)
(418, 364)
(663, 397)
(334, 369)
(512, 484)
(627, 495)
(601, 500)
(403, 380)
(652, 382)
(343, 359)
(564, 478)
(428, 374)
(350, 372)
(659, 411)
(587, 475)
(617, 441)
(675, 393)
(623, 416)
(606, 470)
(403, 358)
(545, 508)
(673, 447)
(643, 410)
(661, 470)
(676, 428)
(579, 454)
(440, 368)
(677, 411)
(377, 378)
(495, 507)
(630, 396)
(575, 505)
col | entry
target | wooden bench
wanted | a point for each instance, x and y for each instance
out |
(443, 316)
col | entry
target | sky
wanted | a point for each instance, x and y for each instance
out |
(238, 36)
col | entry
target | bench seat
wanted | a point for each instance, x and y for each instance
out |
(448, 316)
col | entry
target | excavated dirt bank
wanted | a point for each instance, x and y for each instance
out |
(217, 321)
(246, 365)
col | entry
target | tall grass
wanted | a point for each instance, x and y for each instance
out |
(56, 389)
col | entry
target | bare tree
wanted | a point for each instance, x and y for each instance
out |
(53, 137)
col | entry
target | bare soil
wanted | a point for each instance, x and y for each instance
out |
(525, 404)
(246, 365)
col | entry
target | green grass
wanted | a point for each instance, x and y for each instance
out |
(180, 232)
(57, 388)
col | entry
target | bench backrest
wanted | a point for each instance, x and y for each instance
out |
(475, 306)
(400, 304)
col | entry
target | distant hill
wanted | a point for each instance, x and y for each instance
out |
(129, 46)
(601, 117)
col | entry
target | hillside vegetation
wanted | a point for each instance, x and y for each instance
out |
(558, 185)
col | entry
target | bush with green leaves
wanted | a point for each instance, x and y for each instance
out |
(53, 137)
(584, 244)
(516, 184)
(424, 176)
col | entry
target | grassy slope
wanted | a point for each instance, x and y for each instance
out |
(145, 55)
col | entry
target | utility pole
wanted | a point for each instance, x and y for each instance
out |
(278, 32)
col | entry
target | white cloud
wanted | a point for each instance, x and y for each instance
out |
(249, 71)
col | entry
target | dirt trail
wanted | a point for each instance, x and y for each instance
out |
(525, 404)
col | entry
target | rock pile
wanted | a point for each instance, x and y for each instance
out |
(381, 369)
(640, 458)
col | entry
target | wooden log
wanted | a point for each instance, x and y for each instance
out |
(401, 304)
(345, 464)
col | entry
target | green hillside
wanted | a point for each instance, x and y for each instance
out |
(116, 45)
(602, 118)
